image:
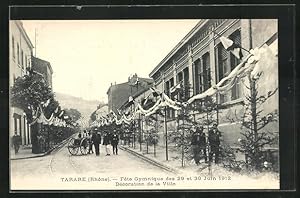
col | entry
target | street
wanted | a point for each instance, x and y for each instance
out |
(61, 164)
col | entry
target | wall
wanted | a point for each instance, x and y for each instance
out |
(262, 31)
(15, 70)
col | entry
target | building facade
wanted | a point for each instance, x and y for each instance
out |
(118, 94)
(200, 61)
(19, 62)
(44, 68)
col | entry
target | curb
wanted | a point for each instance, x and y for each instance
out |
(46, 153)
(151, 161)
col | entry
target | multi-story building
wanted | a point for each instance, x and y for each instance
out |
(200, 61)
(118, 94)
(19, 61)
(44, 68)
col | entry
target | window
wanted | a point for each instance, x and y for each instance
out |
(234, 61)
(204, 78)
(171, 111)
(13, 48)
(22, 59)
(226, 63)
(25, 65)
(18, 53)
(186, 83)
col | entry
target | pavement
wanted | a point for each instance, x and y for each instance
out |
(25, 151)
(174, 159)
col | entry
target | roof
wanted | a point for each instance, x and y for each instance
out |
(20, 26)
(42, 63)
(178, 46)
(125, 84)
(141, 91)
(147, 80)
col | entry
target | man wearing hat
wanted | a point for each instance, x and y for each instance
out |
(96, 139)
(114, 142)
(106, 142)
(214, 142)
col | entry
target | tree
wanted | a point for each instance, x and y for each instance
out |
(93, 116)
(28, 93)
(182, 136)
(255, 137)
(74, 114)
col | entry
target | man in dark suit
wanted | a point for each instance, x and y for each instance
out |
(106, 143)
(214, 142)
(114, 142)
(96, 139)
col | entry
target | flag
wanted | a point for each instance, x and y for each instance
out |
(45, 104)
(155, 93)
(229, 45)
(130, 100)
(120, 113)
(175, 88)
(61, 113)
(137, 81)
(145, 100)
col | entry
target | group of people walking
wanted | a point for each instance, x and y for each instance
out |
(203, 147)
(108, 140)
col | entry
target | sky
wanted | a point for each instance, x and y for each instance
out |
(88, 55)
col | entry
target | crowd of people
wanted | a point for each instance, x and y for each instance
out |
(204, 146)
(96, 137)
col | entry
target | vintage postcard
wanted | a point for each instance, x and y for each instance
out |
(144, 104)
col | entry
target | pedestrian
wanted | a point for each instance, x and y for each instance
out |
(195, 145)
(114, 142)
(96, 139)
(79, 134)
(202, 141)
(214, 142)
(90, 142)
(106, 143)
(16, 142)
(84, 133)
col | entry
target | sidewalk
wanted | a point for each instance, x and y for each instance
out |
(25, 151)
(190, 168)
(174, 158)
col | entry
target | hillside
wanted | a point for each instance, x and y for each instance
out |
(85, 107)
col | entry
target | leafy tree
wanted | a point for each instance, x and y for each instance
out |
(93, 116)
(74, 114)
(28, 93)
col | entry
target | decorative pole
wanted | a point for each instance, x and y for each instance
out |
(156, 126)
(182, 139)
(140, 127)
(166, 132)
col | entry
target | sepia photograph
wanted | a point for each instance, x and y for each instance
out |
(152, 104)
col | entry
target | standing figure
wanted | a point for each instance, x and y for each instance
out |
(84, 133)
(96, 139)
(114, 142)
(214, 142)
(106, 143)
(195, 145)
(90, 142)
(202, 141)
(16, 142)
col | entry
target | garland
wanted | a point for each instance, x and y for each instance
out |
(248, 65)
